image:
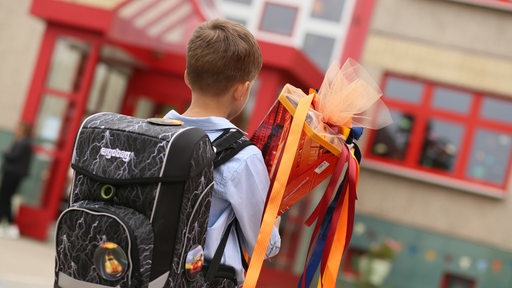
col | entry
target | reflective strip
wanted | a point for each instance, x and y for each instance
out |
(67, 282)
(159, 282)
(196, 207)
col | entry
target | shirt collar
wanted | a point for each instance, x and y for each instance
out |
(210, 123)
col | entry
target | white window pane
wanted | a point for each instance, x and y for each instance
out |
(237, 20)
(497, 109)
(405, 90)
(452, 100)
(278, 18)
(49, 120)
(319, 49)
(490, 156)
(328, 9)
(67, 64)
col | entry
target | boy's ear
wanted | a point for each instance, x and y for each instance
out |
(185, 77)
(242, 89)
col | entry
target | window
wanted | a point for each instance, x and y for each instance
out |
(319, 49)
(455, 281)
(237, 20)
(67, 64)
(278, 19)
(328, 9)
(452, 133)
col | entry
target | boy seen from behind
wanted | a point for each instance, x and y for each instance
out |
(223, 60)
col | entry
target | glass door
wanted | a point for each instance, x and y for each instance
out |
(60, 111)
(55, 105)
(108, 88)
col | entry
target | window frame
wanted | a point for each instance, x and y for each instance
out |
(409, 166)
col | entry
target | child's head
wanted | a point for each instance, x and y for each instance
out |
(23, 130)
(221, 54)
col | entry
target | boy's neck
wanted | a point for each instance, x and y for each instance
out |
(195, 112)
(206, 107)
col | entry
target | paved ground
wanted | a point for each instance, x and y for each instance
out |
(26, 263)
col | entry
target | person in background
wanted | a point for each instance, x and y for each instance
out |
(15, 167)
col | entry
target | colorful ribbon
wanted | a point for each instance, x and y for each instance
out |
(334, 223)
(322, 227)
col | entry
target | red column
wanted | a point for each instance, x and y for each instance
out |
(358, 29)
(34, 95)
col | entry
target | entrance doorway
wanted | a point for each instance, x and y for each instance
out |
(80, 73)
(73, 78)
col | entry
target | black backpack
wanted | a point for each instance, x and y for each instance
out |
(139, 203)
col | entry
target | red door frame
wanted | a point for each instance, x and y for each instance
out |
(34, 221)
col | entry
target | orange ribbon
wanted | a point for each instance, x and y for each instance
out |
(321, 208)
(339, 238)
(277, 192)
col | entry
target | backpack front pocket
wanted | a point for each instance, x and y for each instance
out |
(107, 245)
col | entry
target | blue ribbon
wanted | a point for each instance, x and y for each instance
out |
(316, 255)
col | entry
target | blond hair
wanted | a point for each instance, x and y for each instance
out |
(220, 54)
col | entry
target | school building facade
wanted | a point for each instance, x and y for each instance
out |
(437, 180)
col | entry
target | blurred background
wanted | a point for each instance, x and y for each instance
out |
(434, 190)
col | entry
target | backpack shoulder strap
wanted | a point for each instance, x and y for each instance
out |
(228, 144)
